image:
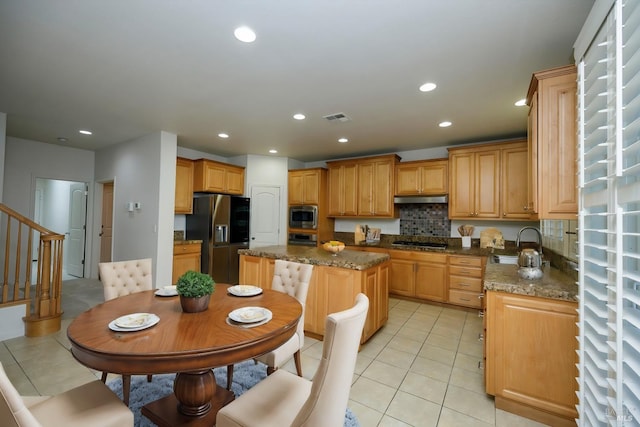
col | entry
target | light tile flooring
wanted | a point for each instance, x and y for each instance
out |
(421, 369)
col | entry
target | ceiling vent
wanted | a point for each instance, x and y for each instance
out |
(338, 117)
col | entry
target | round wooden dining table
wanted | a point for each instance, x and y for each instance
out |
(188, 344)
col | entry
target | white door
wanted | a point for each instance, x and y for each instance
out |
(77, 219)
(265, 216)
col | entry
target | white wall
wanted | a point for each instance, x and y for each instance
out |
(3, 143)
(143, 170)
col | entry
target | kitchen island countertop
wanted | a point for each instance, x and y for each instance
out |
(354, 260)
(554, 284)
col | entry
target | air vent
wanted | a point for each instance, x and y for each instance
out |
(340, 117)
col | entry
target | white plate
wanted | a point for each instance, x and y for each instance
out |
(167, 292)
(135, 320)
(244, 290)
(149, 321)
(249, 314)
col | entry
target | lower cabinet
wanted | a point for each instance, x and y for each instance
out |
(465, 280)
(531, 356)
(418, 274)
(186, 256)
(331, 289)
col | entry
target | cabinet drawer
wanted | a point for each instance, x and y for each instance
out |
(465, 283)
(457, 270)
(470, 261)
(468, 299)
(190, 248)
(419, 256)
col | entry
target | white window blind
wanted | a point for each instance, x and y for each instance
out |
(609, 219)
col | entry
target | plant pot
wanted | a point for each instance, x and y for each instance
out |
(194, 305)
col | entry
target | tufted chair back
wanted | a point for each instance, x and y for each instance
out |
(125, 277)
(293, 278)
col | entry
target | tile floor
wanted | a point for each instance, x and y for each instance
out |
(421, 369)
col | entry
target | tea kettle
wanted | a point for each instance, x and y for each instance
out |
(530, 260)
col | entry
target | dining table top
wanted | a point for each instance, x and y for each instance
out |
(180, 342)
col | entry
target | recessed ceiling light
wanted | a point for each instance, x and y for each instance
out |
(445, 124)
(223, 135)
(86, 132)
(427, 87)
(299, 116)
(343, 140)
(245, 34)
(273, 151)
(521, 103)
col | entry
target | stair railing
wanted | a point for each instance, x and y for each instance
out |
(39, 290)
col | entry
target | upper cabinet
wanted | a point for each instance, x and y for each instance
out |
(214, 177)
(305, 186)
(422, 178)
(184, 186)
(362, 187)
(488, 181)
(552, 138)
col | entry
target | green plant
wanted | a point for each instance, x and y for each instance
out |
(193, 284)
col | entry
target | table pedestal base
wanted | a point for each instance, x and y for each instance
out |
(164, 412)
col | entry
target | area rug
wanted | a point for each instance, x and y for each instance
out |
(245, 375)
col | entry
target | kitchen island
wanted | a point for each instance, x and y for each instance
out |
(335, 282)
(530, 343)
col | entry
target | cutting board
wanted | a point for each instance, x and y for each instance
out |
(491, 238)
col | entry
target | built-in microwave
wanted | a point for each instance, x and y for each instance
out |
(303, 216)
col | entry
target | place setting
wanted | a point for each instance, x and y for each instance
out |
(249, 317)
(167, 291)
(133, 322)
(244, 290)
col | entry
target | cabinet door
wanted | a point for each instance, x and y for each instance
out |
(541, 333)
(514, 183)
(383, 188)
(342, 190)
(250, 271)
(431, 281)
(234, 181)
(215, 177)
(369, 288)
(408, 180)
(532, 153)
(366, 189)
(462, 183)
(402, 277)
(311, 188)
(487, 184)
(434, 178)
(296, 192)
(184, 186)
(557, 147)
(183, 263)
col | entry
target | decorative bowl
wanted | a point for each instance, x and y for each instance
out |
(333, 246)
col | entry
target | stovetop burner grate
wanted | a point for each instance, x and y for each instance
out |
(433, 245)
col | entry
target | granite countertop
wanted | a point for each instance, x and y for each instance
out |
(554, 284)
(450, 250)
(353, 260)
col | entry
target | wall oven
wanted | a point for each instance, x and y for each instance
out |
(303, 216)
(306, 239)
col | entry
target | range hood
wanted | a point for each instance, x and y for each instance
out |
(421, 199)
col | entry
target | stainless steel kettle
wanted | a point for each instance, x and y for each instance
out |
(529, 258)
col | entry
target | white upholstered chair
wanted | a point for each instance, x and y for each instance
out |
(284, 399)
(291, 278)
(91, 404)
(122, 278)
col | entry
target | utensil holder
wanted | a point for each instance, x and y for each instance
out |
(466, 241)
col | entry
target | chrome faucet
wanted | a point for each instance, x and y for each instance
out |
(539, 238)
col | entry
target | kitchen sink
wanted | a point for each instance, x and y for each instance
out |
(505, 259)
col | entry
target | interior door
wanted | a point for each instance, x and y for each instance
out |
(77, 221)
(107, 222)
(265, 216)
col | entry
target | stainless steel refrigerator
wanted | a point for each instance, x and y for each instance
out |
(222, 223)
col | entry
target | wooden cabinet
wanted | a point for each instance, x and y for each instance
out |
(214, 177)
(186, 256)
(465, 280)
(474, 176)
(184, 186)
(306, 186)
(362, 187)
(552, 139)
(488, 181)
(331, 289)
(418, 274)
(531, 356)
(513, 194)
(422, 178)
(342, 189)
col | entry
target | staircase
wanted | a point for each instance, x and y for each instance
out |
(37, 290)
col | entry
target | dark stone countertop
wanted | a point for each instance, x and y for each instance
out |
(353, 260)
(554, 284)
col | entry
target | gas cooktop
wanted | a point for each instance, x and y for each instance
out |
(431, 245)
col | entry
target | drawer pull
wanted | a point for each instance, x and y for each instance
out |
(465, 299)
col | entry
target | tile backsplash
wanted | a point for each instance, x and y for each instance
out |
(425, 219)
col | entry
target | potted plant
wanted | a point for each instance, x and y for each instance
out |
(195, 290)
